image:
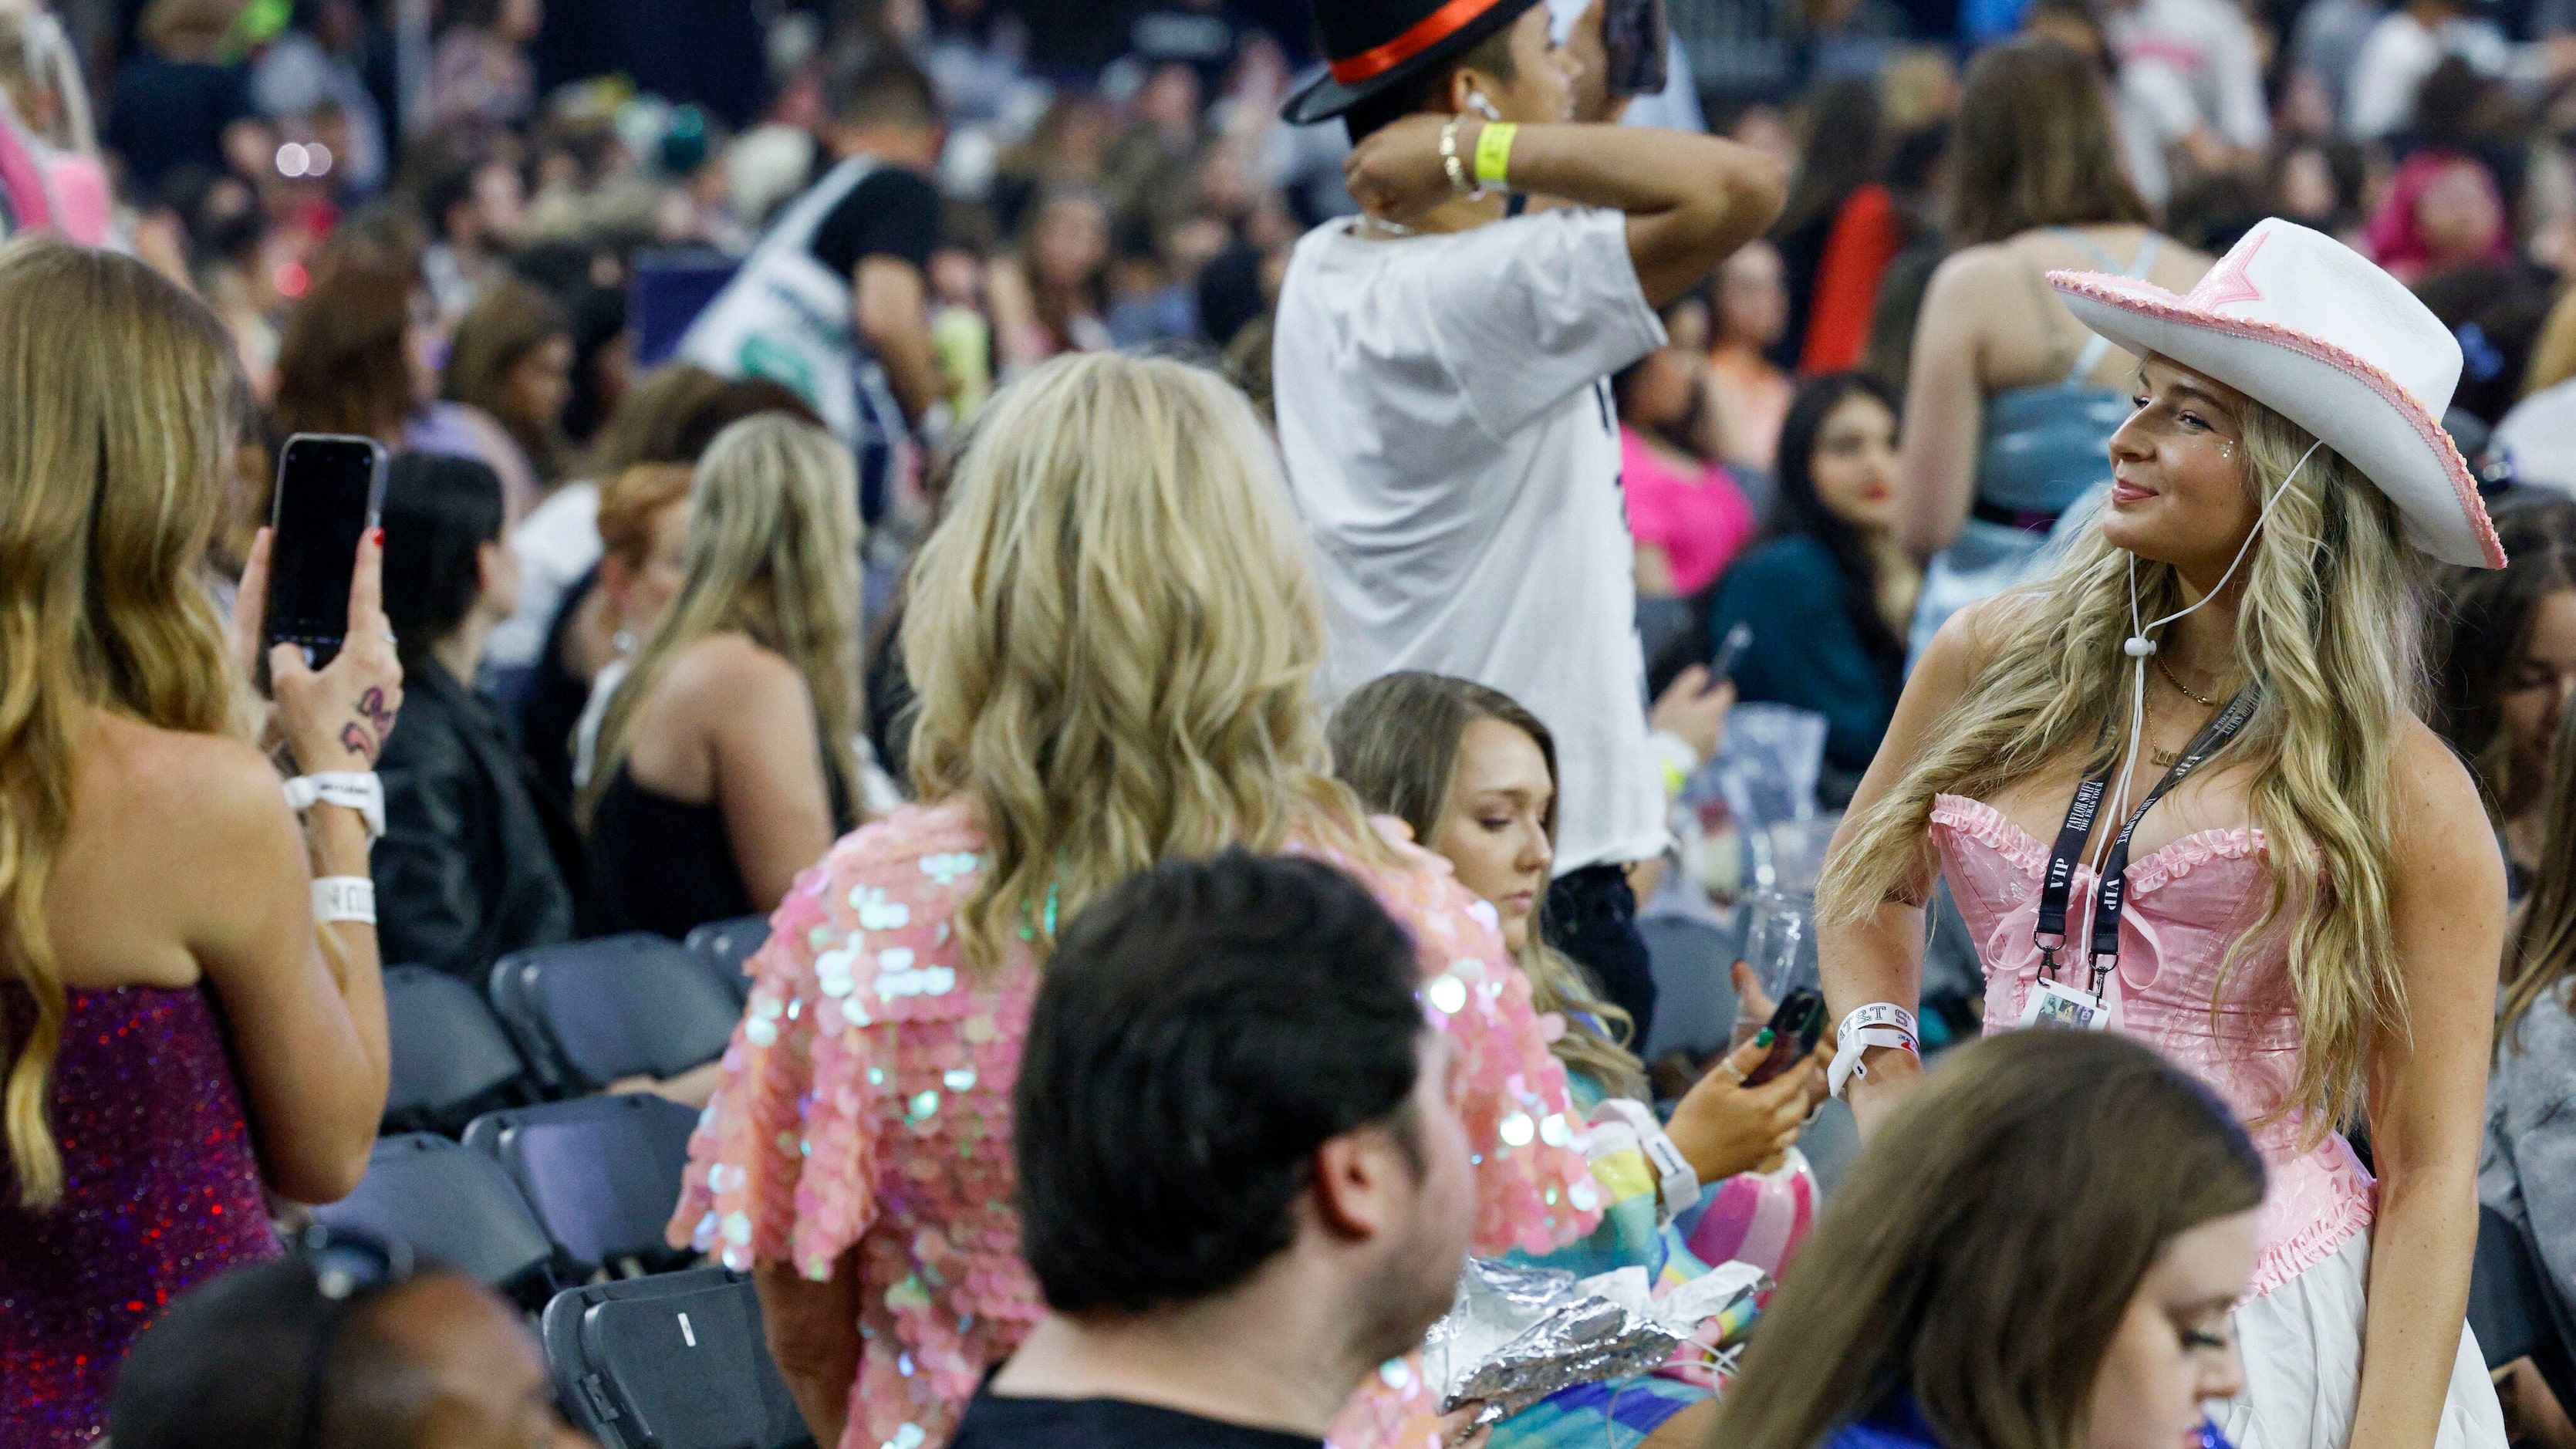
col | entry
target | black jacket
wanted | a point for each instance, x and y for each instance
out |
(467, 871)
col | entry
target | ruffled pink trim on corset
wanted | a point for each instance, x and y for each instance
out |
(2179, 858)
(1987, 826)
(2315, 1207)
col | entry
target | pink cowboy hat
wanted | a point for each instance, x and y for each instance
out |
(2304, 325)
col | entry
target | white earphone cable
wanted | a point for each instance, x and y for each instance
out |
(2139, 647)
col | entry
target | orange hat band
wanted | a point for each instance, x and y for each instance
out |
(1425, 33)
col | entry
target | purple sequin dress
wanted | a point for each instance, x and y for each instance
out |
(161, 1190)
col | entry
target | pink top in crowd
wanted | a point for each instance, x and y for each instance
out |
(866, 1103)
(1699, 519)
(2187, 903)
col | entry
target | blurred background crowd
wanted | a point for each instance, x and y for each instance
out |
(548, 175)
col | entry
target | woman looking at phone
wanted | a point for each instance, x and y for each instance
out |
(1473, 775)
(151, 870)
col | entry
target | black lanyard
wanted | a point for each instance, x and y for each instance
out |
(2071, 838)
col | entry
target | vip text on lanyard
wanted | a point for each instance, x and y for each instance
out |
(2058, 886)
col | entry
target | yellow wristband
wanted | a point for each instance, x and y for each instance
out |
(1494, 152)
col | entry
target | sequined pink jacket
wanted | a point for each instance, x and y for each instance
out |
(866, 1102)
(2187, 903)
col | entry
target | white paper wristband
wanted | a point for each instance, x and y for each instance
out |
(1676, 1180)
(1879, 1024)
(349, 789)
(344, 898)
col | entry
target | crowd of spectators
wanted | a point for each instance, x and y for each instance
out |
(653, 567)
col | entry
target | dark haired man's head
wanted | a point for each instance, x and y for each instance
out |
(437, 1362)
(445, 563)
(883, 105)
(1229, 1079)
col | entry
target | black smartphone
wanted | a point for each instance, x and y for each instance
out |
(329, 492)
(1795, 1029)
(1635, 35)
(1729, 650)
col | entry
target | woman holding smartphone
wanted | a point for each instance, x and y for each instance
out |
(151, 870)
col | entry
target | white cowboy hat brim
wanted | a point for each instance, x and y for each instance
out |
(2353, 405)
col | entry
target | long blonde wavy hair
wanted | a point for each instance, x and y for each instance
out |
(119, 405)
(1396, 742)
(773, 555)
(1115, 631)
(2329, 627)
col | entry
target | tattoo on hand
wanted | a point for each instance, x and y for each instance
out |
(365, 737)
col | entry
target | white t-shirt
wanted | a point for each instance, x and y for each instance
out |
(1444, 407)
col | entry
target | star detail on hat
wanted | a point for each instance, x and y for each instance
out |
(2227, 282)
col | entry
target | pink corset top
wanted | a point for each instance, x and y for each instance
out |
(2187, 903)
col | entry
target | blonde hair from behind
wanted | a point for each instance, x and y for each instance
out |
(118, 409)
(773, 555)
(1395, 743)
(1984, 1249)
(1114, 632)
(2330, 628)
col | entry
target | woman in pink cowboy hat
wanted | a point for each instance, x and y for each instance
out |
(2182, 790)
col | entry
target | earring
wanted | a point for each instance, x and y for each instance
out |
(1476, 102)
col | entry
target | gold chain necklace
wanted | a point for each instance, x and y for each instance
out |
(2204, 701)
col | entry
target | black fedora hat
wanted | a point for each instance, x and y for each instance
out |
(1373, 45)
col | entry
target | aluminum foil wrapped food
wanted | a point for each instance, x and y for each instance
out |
(1516, 1335)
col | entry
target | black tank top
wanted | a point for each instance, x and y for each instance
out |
(667, 866)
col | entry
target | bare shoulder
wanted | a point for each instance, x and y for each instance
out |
(723, 675)
(2442, 825)
(730, 662)
(1969, 273)
(196, 787)
(2436, 790)
(1968, 641)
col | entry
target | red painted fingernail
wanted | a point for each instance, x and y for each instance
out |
(379, 538)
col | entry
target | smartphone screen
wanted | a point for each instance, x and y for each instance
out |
(328, 492)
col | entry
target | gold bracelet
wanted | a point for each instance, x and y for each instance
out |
(1449, 160)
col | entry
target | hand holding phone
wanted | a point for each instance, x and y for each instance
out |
(336, 716)
(1794, 1029)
